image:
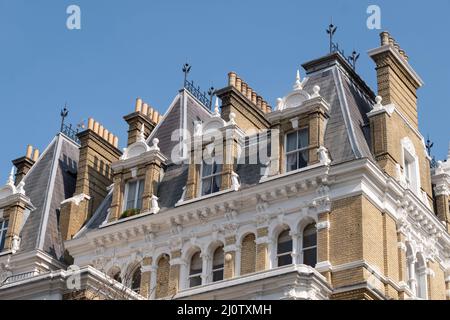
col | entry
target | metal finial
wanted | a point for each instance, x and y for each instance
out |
(211, 93)
(429, 145)
(353, 58)
(331, 31)
(64, 114)
(186, 69)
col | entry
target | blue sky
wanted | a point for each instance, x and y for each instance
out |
(133, 48)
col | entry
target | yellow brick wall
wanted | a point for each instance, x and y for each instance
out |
(162, 278)
(436, 283)
(372, 224)
(248, 254)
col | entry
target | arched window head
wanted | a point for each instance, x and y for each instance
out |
(136, 280)
(218, 264)
(195, 270)
(309, 245)
(284, 248)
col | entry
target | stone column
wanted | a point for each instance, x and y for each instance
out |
(206, 270)
(262, 249)
(296, 250)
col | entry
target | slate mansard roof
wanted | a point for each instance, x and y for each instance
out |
(346, 135)
(50, 181)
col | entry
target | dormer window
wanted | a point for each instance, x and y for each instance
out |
(133, 194)
(297, 153)
(3, 231)
(211, 176)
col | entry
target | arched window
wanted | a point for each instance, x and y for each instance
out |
(421, 277)
(309, 247)
(284, 249)
(136, 280)
(162, 277)
(195, 270)
(217, 269)
(248, 254)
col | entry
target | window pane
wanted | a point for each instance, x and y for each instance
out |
(217, 167)
(284, 260)
(218, 258)
(310, 257)
(303, 159)
(140, 193)
(284, 242)
(131, 195)
(196, 264)
(218, 275)
(207, 186)
(291, 142)
(291, 163)
(216, 183)
(136, 281)
(303, 138)
(195, 281)
(2, 240)
(207, 169)
(309, 236)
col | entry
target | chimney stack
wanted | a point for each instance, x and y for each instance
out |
(397, 80)
(145, 115)
(24, 164)
(98, 150)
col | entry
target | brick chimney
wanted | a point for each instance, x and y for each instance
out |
(249, 107)
(24, 164)
(98, 150)
(145, 115)
(397, 80)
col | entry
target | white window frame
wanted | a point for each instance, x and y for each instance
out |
(3, 231)
(136, 197)
(409, 156)
(296, 151)
(212, 176)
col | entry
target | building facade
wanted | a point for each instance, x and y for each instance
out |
(329, 195)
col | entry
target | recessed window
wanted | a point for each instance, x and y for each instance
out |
(133, 194)
(211, 176)
(284, 249)
(195, 271)
(217, 271)
(3, 231)
(136, 280)
(310, 245)
(297, 153)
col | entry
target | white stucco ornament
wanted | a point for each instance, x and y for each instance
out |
(10, 188)
(154, 205)
(324, 156)
(296, 97)
(235, 184)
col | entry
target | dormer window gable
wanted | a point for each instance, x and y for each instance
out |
(300, 120)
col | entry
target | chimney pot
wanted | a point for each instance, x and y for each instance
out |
(145, 108)
(138, 105)
(111, 138)
(259, 102)
(91, 124)
(155, 116)
(105, 134)
(384, 37)
(232, 79)
(249, 93)
(29, 151)
(116, 141)
(254, 97)
(96, 127)
(150, 112)
(244, 88)
(36, 155)
(101, 130)
(238, 84)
